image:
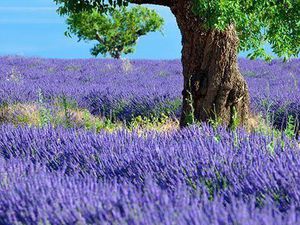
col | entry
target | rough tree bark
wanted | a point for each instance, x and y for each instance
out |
(213, 85)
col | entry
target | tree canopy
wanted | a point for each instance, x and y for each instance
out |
(276, 22)
(116, 31)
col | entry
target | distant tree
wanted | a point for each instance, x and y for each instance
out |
(212, 33)
(116, 31)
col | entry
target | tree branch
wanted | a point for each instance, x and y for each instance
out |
(154, 2)
(99, 38)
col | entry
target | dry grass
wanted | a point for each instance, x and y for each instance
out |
(30, 114)
(166, 126)
(258, 124)
(20, 114)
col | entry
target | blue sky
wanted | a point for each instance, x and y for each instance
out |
(33, 28)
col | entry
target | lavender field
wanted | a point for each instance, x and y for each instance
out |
(126, 90)
(57, 171)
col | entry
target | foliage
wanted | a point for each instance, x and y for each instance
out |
(234, 120)
(116, 31)
(152, 123)
(190, 118)
(290, 127)
(44, 113)
(66, 111)
(257, 21)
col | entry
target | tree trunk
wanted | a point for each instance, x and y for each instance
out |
(213, 86)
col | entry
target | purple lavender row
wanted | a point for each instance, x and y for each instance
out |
(239, 168)
(107, 86)
(31, 195)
